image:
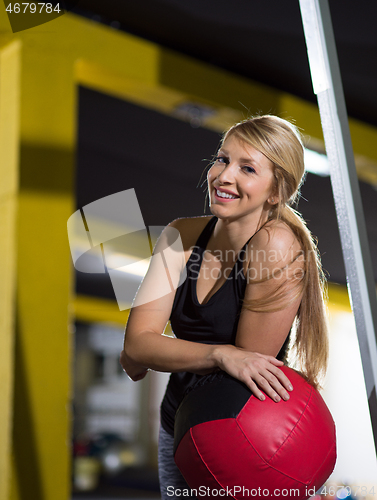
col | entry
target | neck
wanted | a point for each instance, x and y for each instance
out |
(233, 234)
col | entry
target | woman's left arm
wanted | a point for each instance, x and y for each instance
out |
(270, 305)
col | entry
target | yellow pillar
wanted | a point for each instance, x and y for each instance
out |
(9, 137)
(41, 430)
(42, 367)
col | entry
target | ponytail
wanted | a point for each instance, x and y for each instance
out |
(309, 345)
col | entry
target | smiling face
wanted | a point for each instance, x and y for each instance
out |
(241, 182)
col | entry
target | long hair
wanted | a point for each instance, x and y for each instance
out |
(280, 142)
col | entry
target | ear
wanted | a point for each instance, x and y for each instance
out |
(273, 199)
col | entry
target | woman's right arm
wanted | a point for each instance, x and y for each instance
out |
(145, 346)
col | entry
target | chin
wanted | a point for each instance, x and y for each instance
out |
(220, 213)
(216, 210)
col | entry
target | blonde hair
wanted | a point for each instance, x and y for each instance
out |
(280, 142)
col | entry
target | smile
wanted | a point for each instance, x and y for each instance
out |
(222, 194)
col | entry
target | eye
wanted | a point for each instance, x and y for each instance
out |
(248, 169)
(221, 159)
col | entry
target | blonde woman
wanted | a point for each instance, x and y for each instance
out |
(252, 273)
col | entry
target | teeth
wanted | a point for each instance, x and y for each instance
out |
(224, 195)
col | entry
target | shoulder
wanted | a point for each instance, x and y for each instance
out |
(188, 223)
(276, 236)
(189, 228)
(274, 242)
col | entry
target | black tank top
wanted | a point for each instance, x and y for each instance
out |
(214, 322)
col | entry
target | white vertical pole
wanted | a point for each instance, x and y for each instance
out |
(327, 85)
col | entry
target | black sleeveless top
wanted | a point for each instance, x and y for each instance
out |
(214, 322)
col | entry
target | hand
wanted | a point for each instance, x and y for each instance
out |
(258, 371)
(134, 370)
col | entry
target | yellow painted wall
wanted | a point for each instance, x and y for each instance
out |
(55, 58)
(9, 132)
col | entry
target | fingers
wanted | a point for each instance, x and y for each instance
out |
(272, 387)
(255, 390)
(261, 384)
(279, 380)
(261, 373)
(139, 376)
(274, 361)
(273, 383)
(283, 379)
(134, 371)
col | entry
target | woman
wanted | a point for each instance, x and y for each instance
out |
(252, 272)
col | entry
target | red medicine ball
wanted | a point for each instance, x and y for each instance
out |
(228, 442)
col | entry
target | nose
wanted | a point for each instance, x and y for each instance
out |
(226, 176)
